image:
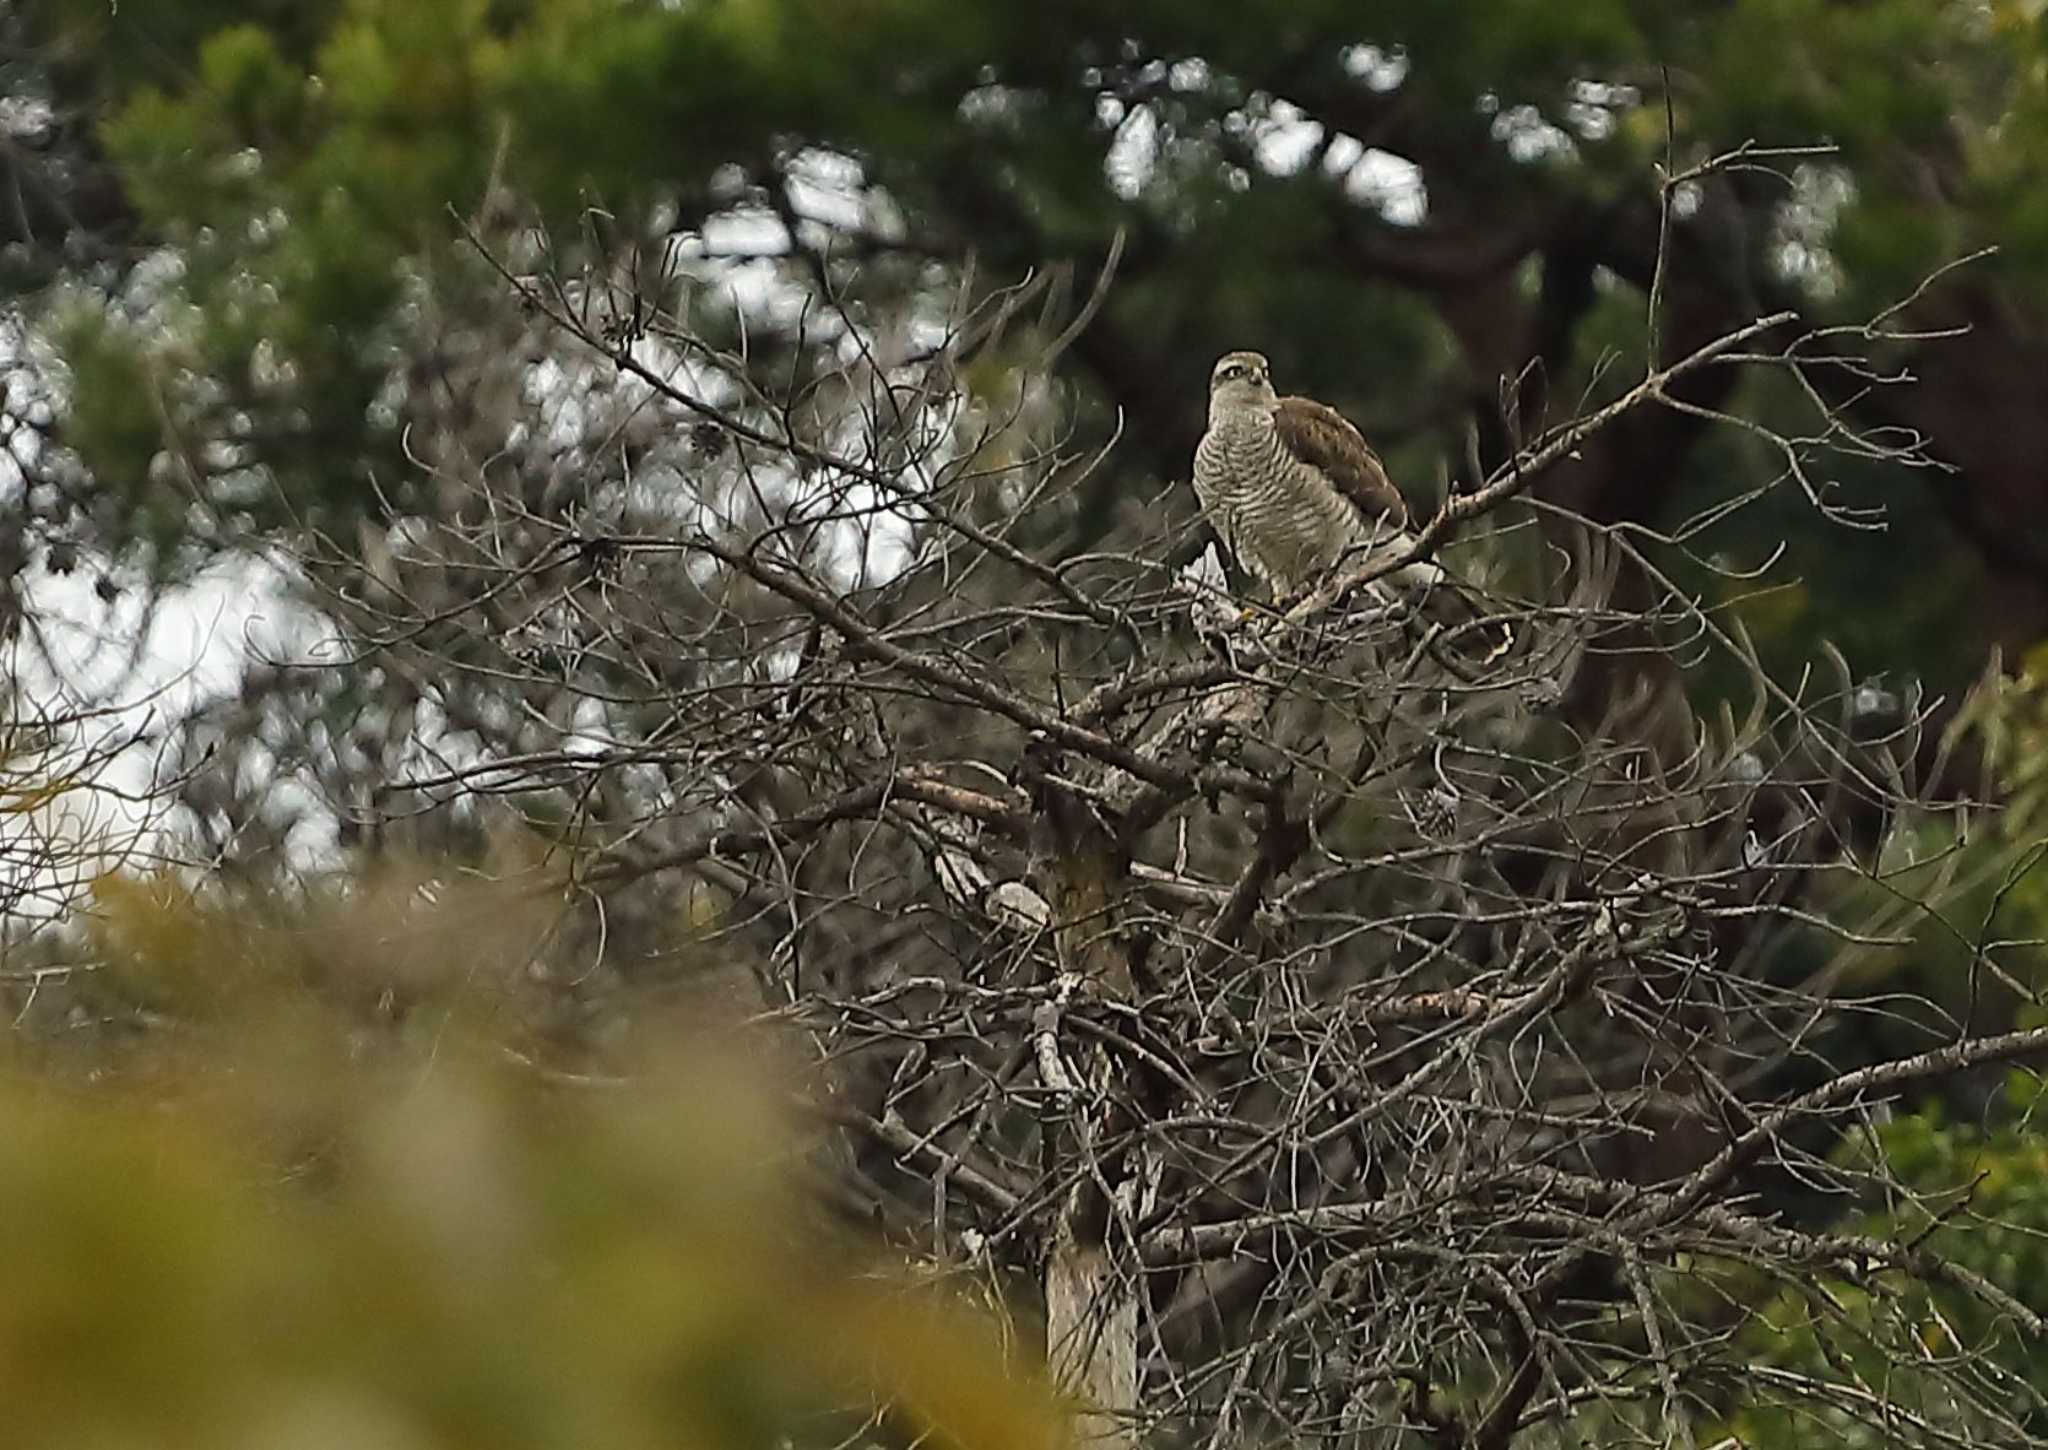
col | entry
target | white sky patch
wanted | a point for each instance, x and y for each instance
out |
(1344, 152)
(1392, 185)
(691, 377)
(1381, 69)
(101, 658)
(992, 104)
(1530, 137)
(747, 231)
(1594, 104)
(1133, 153)
(1285, 139)
(195, 644)
(25, 118)
(1803, 230)
(829, 188)
(590, 731)
(1594, 123)
(882, 217)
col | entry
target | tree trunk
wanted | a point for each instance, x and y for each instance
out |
(1091, 1334)
(1091, 1268)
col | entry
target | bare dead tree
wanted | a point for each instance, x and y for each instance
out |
(1326, 1035)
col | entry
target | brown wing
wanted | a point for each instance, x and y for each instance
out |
(1320, 435)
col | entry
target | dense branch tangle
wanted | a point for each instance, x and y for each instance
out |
(1331, 1042)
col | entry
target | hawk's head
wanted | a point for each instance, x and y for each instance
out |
(1239, 383)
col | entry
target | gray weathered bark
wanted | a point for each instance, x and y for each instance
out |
(1091, 1265)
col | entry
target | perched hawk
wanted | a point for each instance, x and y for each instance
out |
(1289, 486)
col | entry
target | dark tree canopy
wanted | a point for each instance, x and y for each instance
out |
(310, 163)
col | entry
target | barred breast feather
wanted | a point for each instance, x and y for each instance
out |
(1279, 516)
